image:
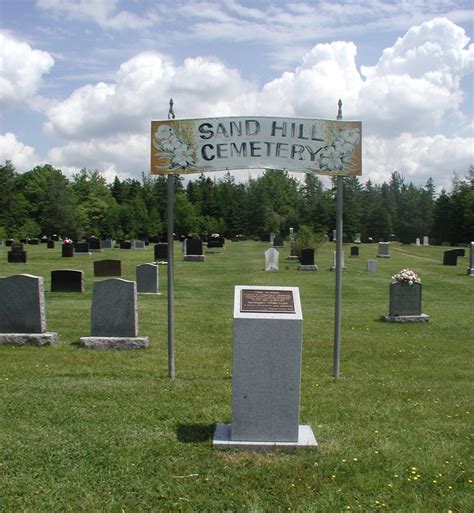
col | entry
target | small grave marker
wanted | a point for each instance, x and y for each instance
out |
(67, 280)
(271, 260)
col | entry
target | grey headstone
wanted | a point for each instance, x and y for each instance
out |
(384, 250)
(470, 269)
(106, 243)
(266, 370)
(426, 241)
(334, 235)
(139, 244)
(405, 299)
(272, 238)
(418, 241)
(22, 307)
(67, 280)
(114, 309)
(372, 266)
(271, 259)
(357, 239)
(147, 279)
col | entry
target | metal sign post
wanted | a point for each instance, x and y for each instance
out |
(339, 236)
(170, 227)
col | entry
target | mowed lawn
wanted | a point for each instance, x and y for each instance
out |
(93, 431)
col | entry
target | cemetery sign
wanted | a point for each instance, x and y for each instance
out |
(305, 145)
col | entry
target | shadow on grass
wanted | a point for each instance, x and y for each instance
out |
(195, 433)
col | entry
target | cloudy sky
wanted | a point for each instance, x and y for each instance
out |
(80, 80)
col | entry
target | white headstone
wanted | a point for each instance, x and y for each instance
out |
(271, 259)
(372, 266)
(418, 241)
(426, 241)
(334, 257)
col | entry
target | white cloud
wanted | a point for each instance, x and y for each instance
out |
(21, 71)
(22, 157)
(123, 156)
(104, 13)
(141, 92)
(417, 158)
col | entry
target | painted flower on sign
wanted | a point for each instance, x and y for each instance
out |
(406, 276)
(330, 159)
(336, 156)
(174, 147)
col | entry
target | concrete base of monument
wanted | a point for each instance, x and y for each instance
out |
(149, 293)
(406, 318)
(308, 268)
(194, 258)
(333, 268)
(383, 256)
(222, 440)
(114, 343)
(31, 339)
(293, 257)
(161, 262)
(82, 253)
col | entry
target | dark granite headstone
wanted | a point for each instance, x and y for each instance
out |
(67, 280)
(67, 250)
(161, 252)
(265, 237)
(81, 247)
(307, 256)
(16, 257)
(17, 246)
(9, 242)
(125, 244)
(214, 243)
(55, 238)
(450, 257)
(44, 239)
(354, 251)
(50, 244)
(460, 252)
(194, 247)
(278, 242)
(94, 244)
(405, 299)
(107, 268)
(34, 242)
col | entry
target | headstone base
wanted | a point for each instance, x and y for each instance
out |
(31, 339)
(160, 262)
(383, 256)
(406, 318)
(106, 343)
(82, 253)
(308, 268)
(222, 440)
(333, 268)
(194, 258)
(149, 293)
(293, 257)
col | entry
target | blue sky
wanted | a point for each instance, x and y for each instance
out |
(81, 79)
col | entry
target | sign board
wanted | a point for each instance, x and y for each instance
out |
(324, 147)
(267, 301)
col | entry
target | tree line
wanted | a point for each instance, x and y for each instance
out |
(43, 201)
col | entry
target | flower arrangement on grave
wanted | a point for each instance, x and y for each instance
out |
(67, 241)
(406, 276)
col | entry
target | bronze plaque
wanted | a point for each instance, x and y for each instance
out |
(267, 301)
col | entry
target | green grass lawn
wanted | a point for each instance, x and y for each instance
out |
(93, 431)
